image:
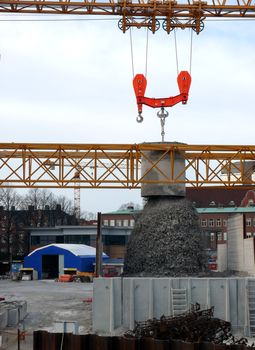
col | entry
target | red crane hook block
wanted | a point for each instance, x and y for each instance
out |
(140, 83)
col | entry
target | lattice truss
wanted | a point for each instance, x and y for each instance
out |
(121, 166)
(140, 13)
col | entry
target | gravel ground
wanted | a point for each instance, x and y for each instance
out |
(47, 301)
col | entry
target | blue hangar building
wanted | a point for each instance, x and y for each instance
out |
(51, 260)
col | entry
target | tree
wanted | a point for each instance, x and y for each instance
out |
(125, 206)
(10, 198)
(66, 204)
(39, 198)
(87, 215)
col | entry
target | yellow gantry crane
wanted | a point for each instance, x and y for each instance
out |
(119, 166)
(150, 13)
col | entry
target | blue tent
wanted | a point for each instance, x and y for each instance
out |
(49, 261)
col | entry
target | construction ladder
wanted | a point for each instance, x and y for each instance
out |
(179, 301)
(251, 306)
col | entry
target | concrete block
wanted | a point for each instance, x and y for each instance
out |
(22, 309)
(13, 317)
(165, 168)
(3, 318)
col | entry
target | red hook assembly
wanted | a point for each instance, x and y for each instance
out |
(140, 83)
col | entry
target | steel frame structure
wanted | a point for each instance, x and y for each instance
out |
(140, 13)
(119, 165)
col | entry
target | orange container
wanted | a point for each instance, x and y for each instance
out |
(65, 278)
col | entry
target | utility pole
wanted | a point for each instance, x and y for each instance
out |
(99, 246)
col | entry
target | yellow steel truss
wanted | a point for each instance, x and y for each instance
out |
(119, 165)
(140, 13)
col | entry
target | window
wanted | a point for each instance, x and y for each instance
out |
(212, 236)
(125, 223)
(253, 221)
(211, 222)
(225, 222)
(203, 223)
(219, 236)
(118, 223)
(35, 240)
(218, 222)
(114, 240)
(78, 239)
(225, 236)
(132, 223)
(112, 222)
(248, 222)
(248, 234)
(105, 222)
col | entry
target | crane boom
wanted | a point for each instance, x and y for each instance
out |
(148, 13)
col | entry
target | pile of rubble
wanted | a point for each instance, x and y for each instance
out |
(166, 240)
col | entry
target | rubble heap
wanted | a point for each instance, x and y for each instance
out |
(166, 240)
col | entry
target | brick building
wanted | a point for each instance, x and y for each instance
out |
(15, 226)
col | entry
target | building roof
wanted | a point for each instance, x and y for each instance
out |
(123, 212)
(228, 210)
(76, 249)
(220, 196)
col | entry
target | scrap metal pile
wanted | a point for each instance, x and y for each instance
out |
(166, 240)
(194, 326)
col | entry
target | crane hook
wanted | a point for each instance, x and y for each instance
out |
(139, 118)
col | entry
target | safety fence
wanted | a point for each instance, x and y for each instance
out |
(44, 340)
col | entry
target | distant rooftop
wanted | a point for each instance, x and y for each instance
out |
(226, 210)
(123, 212)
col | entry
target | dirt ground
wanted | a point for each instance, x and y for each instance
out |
(47, 302)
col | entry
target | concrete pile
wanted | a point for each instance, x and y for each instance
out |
(166, 240)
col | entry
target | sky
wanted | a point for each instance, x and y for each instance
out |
(71, 82)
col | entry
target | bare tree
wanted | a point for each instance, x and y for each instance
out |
(9, 198)
(128, 205)
(87, 215)
(38, 198)
(66, 204)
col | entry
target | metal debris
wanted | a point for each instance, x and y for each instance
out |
(194, 326)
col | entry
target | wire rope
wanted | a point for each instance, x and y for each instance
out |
(176, 52)
(146, 53)
(191, 50)
(132, 52)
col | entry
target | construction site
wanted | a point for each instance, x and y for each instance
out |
(180, 273)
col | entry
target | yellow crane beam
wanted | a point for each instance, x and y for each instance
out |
(185, 14)
(119, 165)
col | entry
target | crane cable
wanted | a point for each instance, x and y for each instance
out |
(146, 52)
(191, 49)
(132, 52)
(190, 52)
(176, 52)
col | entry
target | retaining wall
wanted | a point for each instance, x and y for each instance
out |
(119, 302)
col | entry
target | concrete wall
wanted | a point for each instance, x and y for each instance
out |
(119, 302)
(238, 253)
(222, 259)
(235, 244)
(249, 264)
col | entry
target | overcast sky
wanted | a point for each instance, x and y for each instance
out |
(71, 82)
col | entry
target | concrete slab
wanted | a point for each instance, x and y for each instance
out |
(3, 319)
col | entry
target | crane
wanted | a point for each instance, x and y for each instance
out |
(152, 14)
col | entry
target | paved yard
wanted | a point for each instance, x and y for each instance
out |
(48, 301)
